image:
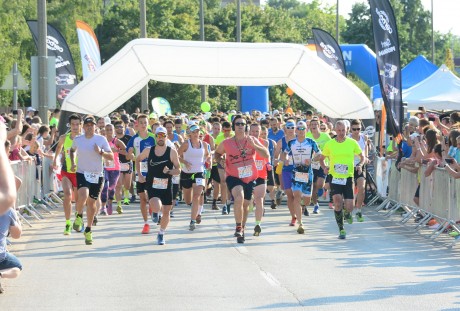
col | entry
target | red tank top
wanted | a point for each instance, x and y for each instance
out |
(240, 161)
(261, 164)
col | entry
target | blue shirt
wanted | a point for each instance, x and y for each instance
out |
(406, 149)
(301, 151)
(6, 221)
(284, 148)
(277, 136)
(139, 144)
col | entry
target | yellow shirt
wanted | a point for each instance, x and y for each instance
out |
(341, 156)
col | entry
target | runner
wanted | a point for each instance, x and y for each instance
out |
(318, 172)
(359, 176)
(341, 151)
(143, 139)
(262, 166)
(162, 163)
(216, 130)
(69, 177)
(193, 154)
(111, 172)
(90, 149)
(126, 167)
(241, 171)
(300, 153)
(225, 134)
(287, 168)
(271, 172)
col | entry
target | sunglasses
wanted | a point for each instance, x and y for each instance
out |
(322, 128)
(226, 130)
(290, 127)
(161, 135)
(240, 123)
(356, 129)
(301, 128)
(119, 127)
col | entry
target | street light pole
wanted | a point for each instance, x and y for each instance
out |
(143, 24)
(337, 22)
(42, 62)
(432, 33)
(238, 39)
(203, 87)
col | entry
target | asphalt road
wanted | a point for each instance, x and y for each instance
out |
(380, 266)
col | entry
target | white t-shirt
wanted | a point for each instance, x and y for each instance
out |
(88, 159)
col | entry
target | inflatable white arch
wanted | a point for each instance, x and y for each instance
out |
(218, 63)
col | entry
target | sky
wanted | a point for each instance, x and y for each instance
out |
(446, 12)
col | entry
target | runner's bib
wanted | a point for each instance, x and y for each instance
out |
(339, 181)
(199, 182)
(341, 169)
(143, 167)
(315, 165)
(176, 179)
(92, 178)
(245, 171)
(301, 177)
(259, 165)
(160, 183)
(124, 167)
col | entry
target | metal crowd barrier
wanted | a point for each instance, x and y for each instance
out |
(32, 200)
(439, 197)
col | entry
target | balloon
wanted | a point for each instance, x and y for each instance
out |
(161, 106)
(205, 107)
(289, 91)
(289, 110)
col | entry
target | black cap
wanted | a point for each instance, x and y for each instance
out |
(89, 120)
(125, 118)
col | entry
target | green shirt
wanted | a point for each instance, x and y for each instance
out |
(220, 138)
(54, 122)
(341, 156)
(322, 139)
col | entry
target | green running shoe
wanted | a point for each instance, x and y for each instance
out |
(300, 230)
(348, 217)
(89, 238)
(359, 217)
(126, 201)
(119, 209)
(343, 235)
(67, 230)
(78, 223)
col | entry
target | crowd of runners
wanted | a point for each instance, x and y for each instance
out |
(234, 159)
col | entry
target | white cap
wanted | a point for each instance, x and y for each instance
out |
(31, 109)
(160, 129)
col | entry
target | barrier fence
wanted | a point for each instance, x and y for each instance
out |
(439, 197)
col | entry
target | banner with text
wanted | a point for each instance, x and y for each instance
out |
(329, 50)
(89, 49)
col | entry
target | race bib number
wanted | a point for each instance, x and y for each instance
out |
(199, 181)
(315, 165)
(109, 164)
(92, 178)
(176, 179)
(259, 165)
(245, 171)
(341, 169)
(339, 181)
(144, 167)
(160, 183)
(124, 167)
(301, 177)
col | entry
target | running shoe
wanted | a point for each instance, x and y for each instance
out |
(198, 219)
(171, 214)
(239, 235)
(192, 225)
(278, 197)
(257, 230)
(215, 207)
(109, 208)
(331, 206)
(359, 217)
(155, 217)
(67, 229)
(228, 207)
(343, 235)
(89, 238)
(161, 239)
(133, 199)
(305, 211)
(300, 229)
(348, 217)
(146, 229)
(103, 212)
(292, 223)
(273, 204)
(126, 201)
(224, 210)
(159, 220)
(454, 234)
(78, 224)
(95, 221)
(316, 209)
(119, 209)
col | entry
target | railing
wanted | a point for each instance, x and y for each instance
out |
(439, 196)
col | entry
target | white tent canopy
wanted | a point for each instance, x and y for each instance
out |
(440, 91)
(218, 63)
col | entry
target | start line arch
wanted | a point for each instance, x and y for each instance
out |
(218, 63)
